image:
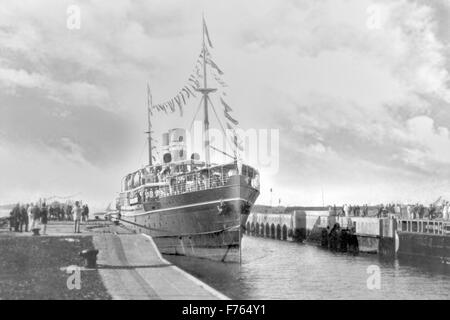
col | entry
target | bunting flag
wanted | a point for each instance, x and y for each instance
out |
(214, 65)
(198, 73)
(227, 107)
(194, 88)
(221, 82)
(186, 92)
(205, 32)
(236, 141)
(172, 105)
(178, 101)
(235, 122)
(181, 99)
(196, 82)
(190, 91)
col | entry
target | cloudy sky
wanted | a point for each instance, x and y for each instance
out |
(358, 89)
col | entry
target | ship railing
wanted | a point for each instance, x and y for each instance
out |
(144, 185)
(181, 184)
(185, 186)
(439, 227)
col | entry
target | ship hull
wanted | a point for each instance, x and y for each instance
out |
(195, 224)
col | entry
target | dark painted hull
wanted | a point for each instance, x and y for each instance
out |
(192, 223)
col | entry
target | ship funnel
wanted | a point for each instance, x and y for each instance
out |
(178, 144)
(165, 139)
(174, 145)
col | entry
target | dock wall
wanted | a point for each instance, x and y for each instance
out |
(308, 224)
(421, 245)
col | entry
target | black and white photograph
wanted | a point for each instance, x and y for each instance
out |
(225, 154)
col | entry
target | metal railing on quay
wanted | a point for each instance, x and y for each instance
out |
(438, 227)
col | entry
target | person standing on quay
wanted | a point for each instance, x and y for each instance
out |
(23, 218)
(36, 212)
(346, 210)
(77, 212)
(12, 220)
(16, 213)
(83, 213)
(445, 211)
(30, 215)
(69, 212)
(44, 218)
(86, 212)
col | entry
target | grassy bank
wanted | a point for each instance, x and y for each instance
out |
(30, 268)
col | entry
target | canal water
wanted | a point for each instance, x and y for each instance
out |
(273, 269)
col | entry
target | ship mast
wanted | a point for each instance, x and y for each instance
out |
(205, 91)
(150, 157)
(149, 132)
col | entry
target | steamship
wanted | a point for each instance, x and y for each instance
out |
(188, 205)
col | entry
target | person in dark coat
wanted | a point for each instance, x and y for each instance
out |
(51, 213)
(69, 213)
(16, 214)
(335, 234)
(86, 212)
(325, 234)
(23, 218)
(12, 221)
(44, 218)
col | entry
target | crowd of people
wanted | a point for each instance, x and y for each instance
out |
(26, 217)
(415, 211)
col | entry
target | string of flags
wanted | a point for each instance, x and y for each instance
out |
(193, 83)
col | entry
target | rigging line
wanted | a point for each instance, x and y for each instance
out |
(223, 129)
(196, 113)
(223, 152)
(220, 123)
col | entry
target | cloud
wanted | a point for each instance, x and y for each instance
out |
(36, 171)
(74, 93)
(358, 88)
(427, 146)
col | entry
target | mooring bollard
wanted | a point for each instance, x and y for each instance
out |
(36, 231)
(90, 257)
